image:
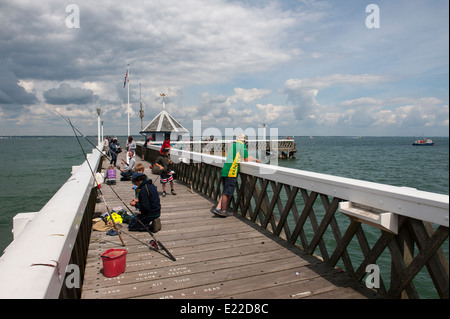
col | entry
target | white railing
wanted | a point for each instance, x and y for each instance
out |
(218, 147)
(33, 266)
(324, 215)
(405, 201)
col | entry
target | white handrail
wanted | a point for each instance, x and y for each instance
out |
(405, 201)
(34, 265)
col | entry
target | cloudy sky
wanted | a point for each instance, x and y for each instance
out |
(305, 67)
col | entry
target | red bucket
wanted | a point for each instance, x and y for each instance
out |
(114, 262)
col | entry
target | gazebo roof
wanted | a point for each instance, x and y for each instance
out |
(164, 122)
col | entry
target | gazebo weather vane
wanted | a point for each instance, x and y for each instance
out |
(164, 103)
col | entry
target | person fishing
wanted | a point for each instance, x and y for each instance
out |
(131, 146)
(128, 171)
(155, 243)
(148, 205)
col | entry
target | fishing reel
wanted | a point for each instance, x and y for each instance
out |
(154, 245)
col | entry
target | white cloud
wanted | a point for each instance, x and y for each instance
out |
(206, 41)
(321, 82)
(307, 65)
(247, 96)
(363, 112)
(27, 85)
(274, 114)
(385, 118)
(302, 93)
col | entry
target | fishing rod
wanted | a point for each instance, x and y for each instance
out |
(154, 243)
(98, 188)
(84, 136)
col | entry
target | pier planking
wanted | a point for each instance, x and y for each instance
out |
(216, 257)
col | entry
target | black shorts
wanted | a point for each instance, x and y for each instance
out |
(229, 184)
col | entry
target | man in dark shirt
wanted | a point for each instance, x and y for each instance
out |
(147, 203)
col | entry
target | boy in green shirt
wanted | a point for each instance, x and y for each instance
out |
(229, 173)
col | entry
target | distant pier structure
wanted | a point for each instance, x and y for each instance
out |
(282, 149)
(274, 148)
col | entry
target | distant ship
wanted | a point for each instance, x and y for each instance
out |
(424, 142)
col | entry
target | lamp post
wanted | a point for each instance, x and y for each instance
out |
(127, 81)
(99, 110)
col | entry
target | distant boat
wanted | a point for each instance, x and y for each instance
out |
(424, 142)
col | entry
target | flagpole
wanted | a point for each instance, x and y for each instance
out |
(128, 110)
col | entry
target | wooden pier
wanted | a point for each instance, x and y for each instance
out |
(294, 234)
(215, 257)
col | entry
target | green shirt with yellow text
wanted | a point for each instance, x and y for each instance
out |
(237, 153)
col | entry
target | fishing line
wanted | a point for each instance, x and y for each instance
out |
(98, 188)
(151, 245)
(145, 227)
(157, 242)
(85, 137)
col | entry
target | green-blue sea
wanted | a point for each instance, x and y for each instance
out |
(34, 168)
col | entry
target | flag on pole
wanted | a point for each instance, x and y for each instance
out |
(125, 81)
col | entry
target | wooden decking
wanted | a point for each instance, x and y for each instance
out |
(216, 257)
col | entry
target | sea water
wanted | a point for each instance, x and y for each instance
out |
(386, 160)
(32, 171)
(34, 168)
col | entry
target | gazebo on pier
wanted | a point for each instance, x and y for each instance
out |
(164, 125)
